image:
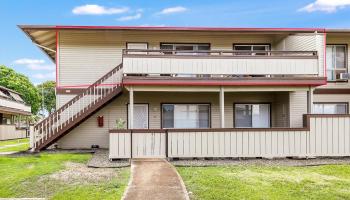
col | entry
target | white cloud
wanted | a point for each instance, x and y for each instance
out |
(34, 64)
(41, 67)
(130, 17)
(176, 9)
(92, 9)
(28, 61)
(49, 76)
(328, 6)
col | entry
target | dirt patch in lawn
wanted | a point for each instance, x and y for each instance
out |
(79, 173)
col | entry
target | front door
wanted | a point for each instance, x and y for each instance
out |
(140, 116)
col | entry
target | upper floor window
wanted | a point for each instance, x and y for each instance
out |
(248, 48)
(138, 46)
(185, 47)
(336, 62)
(330, 108)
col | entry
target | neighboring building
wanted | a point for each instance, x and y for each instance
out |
(184, 91)
(13, 114)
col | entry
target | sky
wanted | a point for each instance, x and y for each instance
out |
(17, 51)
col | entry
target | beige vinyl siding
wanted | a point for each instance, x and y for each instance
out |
(62, 99)
(326, 136)
(238, 66)
(305, 42)
(281, 110)
(339, 39)
(88, 133)
(84, 56)
(297, 107)
(331, 98)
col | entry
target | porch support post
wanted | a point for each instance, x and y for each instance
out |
(310, 100)
(222, 107)
(131, 101)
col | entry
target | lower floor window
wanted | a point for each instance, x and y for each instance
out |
(252, 115)
(185, 115)
(330, 108)
(6, 119)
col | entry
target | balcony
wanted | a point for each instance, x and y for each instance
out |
(220, 63)
(14, 106)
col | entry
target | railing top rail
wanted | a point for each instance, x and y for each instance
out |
(219, 52)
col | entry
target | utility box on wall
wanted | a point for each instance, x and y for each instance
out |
(100, 121)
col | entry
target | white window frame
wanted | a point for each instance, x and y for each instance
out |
(129, 45)
(330, 103)
(267, 48)
(335, 69)
(194, 45)
(191, 104)
(252, 104)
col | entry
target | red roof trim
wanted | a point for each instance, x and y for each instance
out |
(184, 28)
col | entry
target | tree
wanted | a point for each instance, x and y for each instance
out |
(21, 84)
(48, 96)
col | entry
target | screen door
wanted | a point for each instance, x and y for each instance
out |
(140, 116)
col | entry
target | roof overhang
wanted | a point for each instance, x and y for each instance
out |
(169, 28)
(44, 38)
(338, 30)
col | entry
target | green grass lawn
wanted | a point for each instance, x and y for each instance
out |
(23, 145)
(59, 176)
(263, 182)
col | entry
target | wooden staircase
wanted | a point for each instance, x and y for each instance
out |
(77, 110)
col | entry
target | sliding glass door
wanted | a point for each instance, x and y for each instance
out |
(252, 115)
(185, 116)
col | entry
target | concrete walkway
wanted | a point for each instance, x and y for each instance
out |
(154, 179)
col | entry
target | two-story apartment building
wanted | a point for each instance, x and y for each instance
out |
(196, 92)
(13, 114)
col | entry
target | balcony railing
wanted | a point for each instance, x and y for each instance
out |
(4, 102)
(219, 62)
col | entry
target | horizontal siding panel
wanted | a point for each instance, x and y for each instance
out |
(255, 66)
(94, 53)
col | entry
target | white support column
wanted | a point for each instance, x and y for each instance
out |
(131, 99)
(310, 101)
(222, 107)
